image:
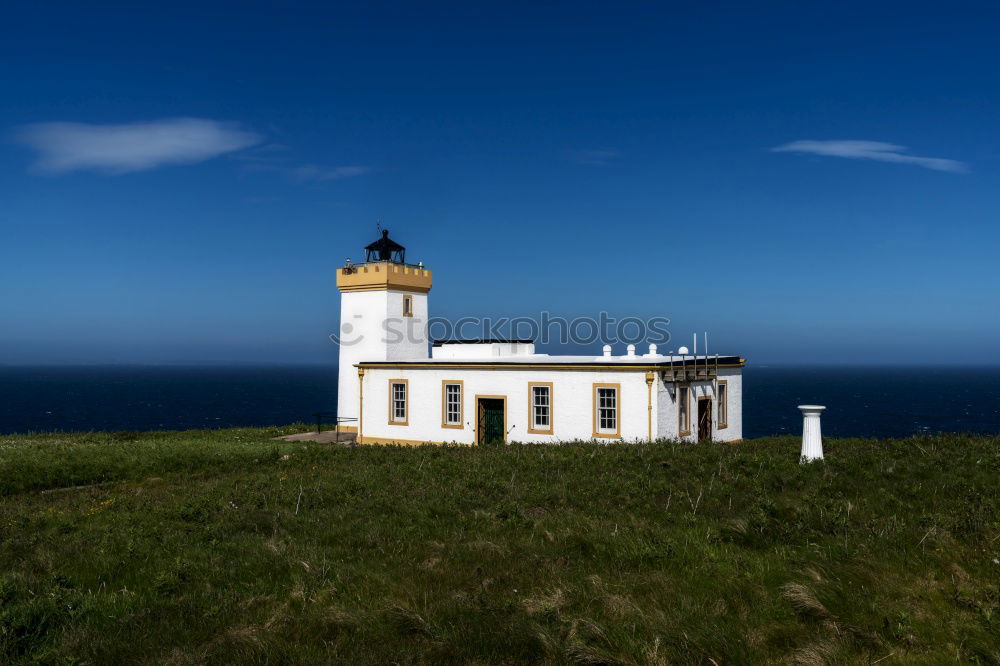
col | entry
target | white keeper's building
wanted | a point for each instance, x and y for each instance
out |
(402, 389)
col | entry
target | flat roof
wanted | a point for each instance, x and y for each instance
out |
(660, 361)
(483, 341)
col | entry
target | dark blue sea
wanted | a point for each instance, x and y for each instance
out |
(862, 402)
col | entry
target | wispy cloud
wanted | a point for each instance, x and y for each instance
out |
(598, 157)
(278, 158)
(116, 149)
(313, 172)
(265, 153)
(870, 150)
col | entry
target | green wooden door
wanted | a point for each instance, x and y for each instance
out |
(492, 424)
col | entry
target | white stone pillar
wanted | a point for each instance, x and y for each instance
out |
(812, 437)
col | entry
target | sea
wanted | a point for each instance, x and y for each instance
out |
(860, 402)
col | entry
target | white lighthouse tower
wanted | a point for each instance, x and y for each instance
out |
(383, 317)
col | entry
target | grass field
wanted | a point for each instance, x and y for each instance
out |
(225, 546)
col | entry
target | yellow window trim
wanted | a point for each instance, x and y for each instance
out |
(618, 412)
(681, 406)
(723, 404)
(461, 404)
(531, 409)
(406, 402)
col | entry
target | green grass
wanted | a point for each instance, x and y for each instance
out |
(225, 546)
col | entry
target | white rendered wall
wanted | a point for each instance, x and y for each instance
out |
(572, 403)
(373, 328)
(734, 381)
(668, 413)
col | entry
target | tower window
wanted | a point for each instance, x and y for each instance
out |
(684, 410)
(451, 404)
(607, 410)
(398, 389)
(407, 306)
(540, 408)
(723, 399)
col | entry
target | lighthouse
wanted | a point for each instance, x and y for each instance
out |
(396, 386)
(383, 316)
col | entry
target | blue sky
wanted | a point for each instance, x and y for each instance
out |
(179, 183)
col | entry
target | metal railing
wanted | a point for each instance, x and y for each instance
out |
(353, 267)
(698, 369)
(336, 420)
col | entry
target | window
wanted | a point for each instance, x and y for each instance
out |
(407, 306)
(540, 408)
(606, 410)
(397, 401)
(722, 417)
(684, 410)
(451, 404)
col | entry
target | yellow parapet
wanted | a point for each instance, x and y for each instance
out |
(382, 276)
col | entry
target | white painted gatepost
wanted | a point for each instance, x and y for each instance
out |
(812, 436)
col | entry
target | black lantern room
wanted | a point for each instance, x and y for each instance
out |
(385, 249)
